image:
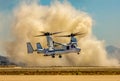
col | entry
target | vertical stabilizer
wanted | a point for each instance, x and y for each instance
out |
(29, 47)
(38, 46)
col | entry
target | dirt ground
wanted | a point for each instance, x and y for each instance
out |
(59, 78)
(60, 70)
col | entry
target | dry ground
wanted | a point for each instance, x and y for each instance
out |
(60, 71)
(59, 78)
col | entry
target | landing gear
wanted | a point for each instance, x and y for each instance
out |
(60, 56)
(78, 53)
(53, 56)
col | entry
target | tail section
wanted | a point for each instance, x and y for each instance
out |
(29, 47)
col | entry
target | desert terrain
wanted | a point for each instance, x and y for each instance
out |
(58, 73)
(59, 70)
(59, 78)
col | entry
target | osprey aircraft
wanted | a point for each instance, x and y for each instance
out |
(52, 50)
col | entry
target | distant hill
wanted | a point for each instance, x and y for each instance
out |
(113, 51)
(5, 61)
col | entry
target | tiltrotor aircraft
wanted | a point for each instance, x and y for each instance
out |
(52, 49)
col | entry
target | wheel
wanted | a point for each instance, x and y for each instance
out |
(60, 56)
(78, 53)
(53, 56)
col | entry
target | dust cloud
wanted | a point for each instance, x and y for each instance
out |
(31, 18)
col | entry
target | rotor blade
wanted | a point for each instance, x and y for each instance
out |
(39, 35)
(80, 34)
(42, 32)
(72, 34)
(56, 33)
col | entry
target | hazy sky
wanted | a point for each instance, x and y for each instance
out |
(105, 13)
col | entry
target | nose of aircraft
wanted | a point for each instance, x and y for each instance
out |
(78, 49)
